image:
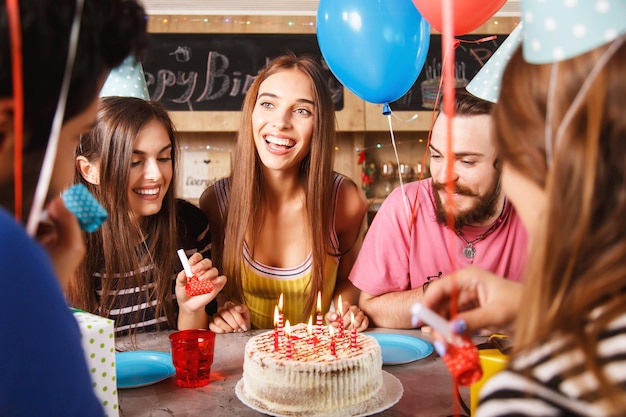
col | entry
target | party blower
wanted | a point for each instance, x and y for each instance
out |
(83, 205)
(461, 356)
(194, 285)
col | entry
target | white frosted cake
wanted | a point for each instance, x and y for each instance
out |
(311, 381)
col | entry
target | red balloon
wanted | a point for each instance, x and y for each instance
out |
(468, 14)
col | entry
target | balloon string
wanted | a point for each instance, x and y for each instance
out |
(550, 104)
(481, 40)
(410, 119)
(43, 183)
(13, 12)
(579, 99)
(405, 200)
(449, 109)
(433, 117)
(449, 98)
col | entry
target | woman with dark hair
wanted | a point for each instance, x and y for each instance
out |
(284, 222)
(131, 272)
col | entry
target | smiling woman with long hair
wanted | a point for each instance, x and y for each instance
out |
(284, 222)
(129, 162)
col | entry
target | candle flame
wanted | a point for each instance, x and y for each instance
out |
(280, 302)
(309, 328)
(340, 306)
(331, 330)
(287, 329)
(352, 319)
(319, 301)
(276, 316)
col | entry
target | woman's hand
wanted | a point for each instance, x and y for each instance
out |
(231, 318)
(485, 300)
(191, 309)
(361, 322)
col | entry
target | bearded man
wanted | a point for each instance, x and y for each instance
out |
(411, 241)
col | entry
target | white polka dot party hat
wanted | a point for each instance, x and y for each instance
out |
(127, 80)
(555, 30)
(486, 83)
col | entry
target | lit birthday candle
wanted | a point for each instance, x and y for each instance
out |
(276, 315)
(288, 346)
(340, 321)
(319, 313)
(281, 316)
(352, 332)
(309, 329)
(333, 346)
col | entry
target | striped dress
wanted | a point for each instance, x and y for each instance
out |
(263, 284)
(193, 236)
(552, 380)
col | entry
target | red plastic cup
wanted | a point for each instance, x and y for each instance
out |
(192, 355)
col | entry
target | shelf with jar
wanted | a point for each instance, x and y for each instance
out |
(381, 172)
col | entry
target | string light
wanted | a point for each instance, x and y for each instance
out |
(381, 145)
(205, 147)
(306, 23)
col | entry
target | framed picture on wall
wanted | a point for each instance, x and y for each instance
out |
(201, 167)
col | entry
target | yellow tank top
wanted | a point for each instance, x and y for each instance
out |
(262, 286)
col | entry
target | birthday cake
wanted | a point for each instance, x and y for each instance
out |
(309, 377)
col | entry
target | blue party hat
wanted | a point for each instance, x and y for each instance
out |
(486, 83)
(555, 30)
(127, 80)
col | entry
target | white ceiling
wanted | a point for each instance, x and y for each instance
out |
(260, 7)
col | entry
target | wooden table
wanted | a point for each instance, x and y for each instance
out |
(428, 387)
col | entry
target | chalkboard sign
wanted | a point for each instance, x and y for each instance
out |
(469, 59)
(207, 71)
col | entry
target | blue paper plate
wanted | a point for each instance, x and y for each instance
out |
(142, 367)
(401, 348)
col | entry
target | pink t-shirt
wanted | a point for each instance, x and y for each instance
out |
(394, 258)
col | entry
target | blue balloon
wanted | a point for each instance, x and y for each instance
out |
(375, 48)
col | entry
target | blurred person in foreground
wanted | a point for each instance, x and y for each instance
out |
(44, 371)
(561, 133)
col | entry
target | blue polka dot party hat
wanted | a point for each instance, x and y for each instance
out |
(486, 83)
(556, 30)
(127, 80)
